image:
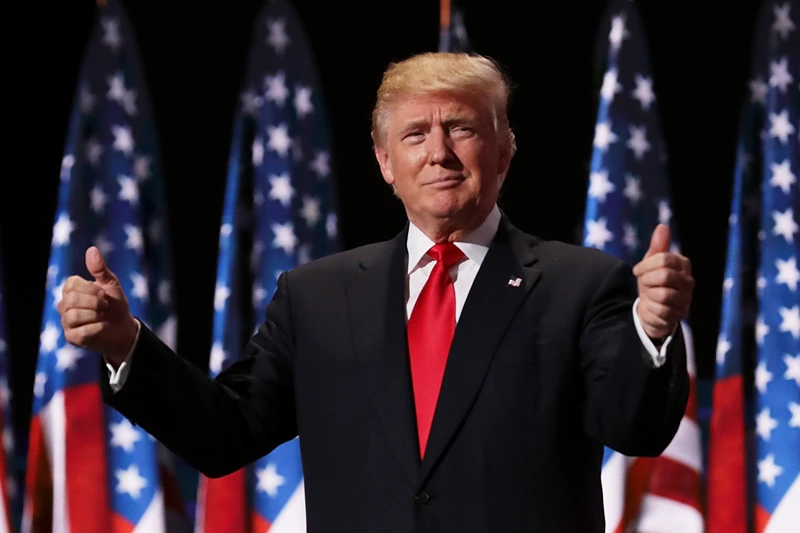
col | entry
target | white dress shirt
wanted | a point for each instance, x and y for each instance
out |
(475, 245)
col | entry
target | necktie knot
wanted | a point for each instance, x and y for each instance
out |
(448, 253)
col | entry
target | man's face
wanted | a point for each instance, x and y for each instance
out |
(443, 156)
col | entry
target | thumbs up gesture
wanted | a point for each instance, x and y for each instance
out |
(665, 286)
(95, 314)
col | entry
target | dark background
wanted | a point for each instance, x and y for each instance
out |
(194, 55)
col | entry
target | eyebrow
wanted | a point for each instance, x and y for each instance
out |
(423, 122)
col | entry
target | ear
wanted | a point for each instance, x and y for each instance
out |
(386, 168)
(503, 163)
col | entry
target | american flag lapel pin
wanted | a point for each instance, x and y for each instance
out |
(515, 282)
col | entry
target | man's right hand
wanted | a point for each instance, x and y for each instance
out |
(95, 314)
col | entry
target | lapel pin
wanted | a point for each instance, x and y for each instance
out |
(515, 282)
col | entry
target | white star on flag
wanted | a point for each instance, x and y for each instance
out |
(787, 273)
(281, 189)
(790, 320)
(279, 139)
(128, 190)
(600, 186)
(782, 175)
(277, 37)
(321, 164)
(97, 198)
(124, 435)
(633, 190)
(269, 481)
(784, 224)
(598, 234)
(780, 126)
(604, 136)
(780, 76)
(284, 237)
(723, 347)
(135, 240)
(221, 294)
(311, 211)
(217, 358)
(644, 91)
(302, 101)
(62, 230)
(67, 357)
(758, 91)
(638, 141)
(49, 337)
(610, 85)
(276, 88)
(140, 289)
(123, 140)
(782, 24)
(111, 36)
(618, 32)
(792, 368)
(130, 482)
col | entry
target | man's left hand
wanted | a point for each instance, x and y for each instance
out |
(665, 286)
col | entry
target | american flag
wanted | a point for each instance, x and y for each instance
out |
(628, 196)
(89, 468)
(279, 212)
(754, 470)
(7, 482)
(452, 32)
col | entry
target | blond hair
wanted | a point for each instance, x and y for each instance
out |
(445, 72)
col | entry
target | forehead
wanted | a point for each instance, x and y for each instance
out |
(436, 106)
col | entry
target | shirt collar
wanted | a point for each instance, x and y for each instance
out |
(474, 244)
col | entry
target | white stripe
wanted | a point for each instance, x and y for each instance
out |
(153, 520)
(292, 518)
(613, 480)
(688, 340)
(200, 509)
(662, 515)
(685, 446)
(787, 513)
(54, 440)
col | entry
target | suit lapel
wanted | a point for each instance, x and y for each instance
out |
(376, 302)
(487, 313)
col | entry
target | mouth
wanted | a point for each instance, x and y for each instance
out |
(445, 181)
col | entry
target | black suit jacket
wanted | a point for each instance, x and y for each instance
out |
(538, 379)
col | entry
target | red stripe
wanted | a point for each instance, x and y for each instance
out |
(727, 502)
(762, 518)
(259, 523)
(691, 405)
(636, 481)
(38, 482)
(120, 524)
(675, 481)
(225, 506)
(173, 503)
(87, 480)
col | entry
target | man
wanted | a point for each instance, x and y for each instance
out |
(461, 377)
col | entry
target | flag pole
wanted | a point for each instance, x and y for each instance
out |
(444, 13)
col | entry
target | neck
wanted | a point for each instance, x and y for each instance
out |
(442, 230)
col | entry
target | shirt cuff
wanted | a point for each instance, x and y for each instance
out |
(659, 355)
(117, 377)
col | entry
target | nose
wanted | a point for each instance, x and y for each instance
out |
(438, 145)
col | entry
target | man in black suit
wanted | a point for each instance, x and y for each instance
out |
(461, 377)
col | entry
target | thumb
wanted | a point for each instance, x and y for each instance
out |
(659, 242)
(97, 266)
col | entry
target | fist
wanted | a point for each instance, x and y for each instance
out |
(95, 314)
(665, 286)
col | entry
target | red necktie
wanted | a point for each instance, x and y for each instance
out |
(430, 332)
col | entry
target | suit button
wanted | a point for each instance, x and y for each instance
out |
(422, 498)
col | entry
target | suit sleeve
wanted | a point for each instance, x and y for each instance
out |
(221, 425)
(631, 405)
